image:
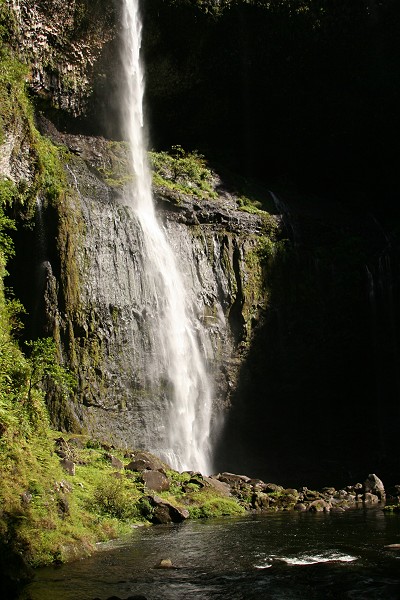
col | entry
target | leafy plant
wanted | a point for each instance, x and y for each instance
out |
(182, 171)
(43, 363)
(112, 497)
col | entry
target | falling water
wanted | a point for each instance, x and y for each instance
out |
(176, 364)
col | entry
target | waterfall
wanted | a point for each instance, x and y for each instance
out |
(175, 365)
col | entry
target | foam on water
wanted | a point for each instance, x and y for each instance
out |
(306, 559)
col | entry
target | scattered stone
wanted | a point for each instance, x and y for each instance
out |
(68, 466)
(233, 478)
(220, 486)
(115, 462)
(63, 505)
(272, 487)
(260, 501)
(26, 498)
(164, 563)
(63, 486)
(155, 480)
(300, 507)
(319, 506)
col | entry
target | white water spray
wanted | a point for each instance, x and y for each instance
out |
(177, 365)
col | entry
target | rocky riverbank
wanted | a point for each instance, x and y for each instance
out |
(92, 491)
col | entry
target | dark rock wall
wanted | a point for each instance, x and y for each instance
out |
(291, 92)
(317, 399)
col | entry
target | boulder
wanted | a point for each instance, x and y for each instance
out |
(374, 486)
(272, 487)
(258, 485)
(26, 498)
(68, 466)
(370, 498)
(221, 487)
(319, 506)
(260, 501)
(115, 462)
(145, 461)
(164, 563)
(155, 480)
(232, 478)
(393, 495)
(165, 512)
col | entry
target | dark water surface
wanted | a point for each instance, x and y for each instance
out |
(279, 556)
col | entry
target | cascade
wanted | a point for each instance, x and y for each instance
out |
(176, 363)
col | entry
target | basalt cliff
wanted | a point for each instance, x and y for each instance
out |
(298, 295)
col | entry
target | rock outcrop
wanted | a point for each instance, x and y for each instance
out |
(96, 306)
(62, 44)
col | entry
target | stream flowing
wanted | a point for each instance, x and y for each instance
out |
(280, 556)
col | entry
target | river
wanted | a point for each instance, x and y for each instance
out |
(280, 556)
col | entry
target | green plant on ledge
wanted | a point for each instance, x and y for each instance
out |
(184, 172)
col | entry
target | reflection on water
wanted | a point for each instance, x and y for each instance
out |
(279, 557)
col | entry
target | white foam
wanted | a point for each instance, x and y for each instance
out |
(312, 559)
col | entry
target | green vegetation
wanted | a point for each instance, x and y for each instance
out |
(44, 364)
(183, 172)
(392, 508)
(50, 515)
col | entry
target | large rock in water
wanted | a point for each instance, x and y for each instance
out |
(373, 485)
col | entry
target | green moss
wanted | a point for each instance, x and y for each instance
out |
(12, 90)
(392, 508)
(216, 507)
(182, 172)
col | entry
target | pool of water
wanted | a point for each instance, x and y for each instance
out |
(280, 556)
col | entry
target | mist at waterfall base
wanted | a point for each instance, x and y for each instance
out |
(281, 556)
(175, 356)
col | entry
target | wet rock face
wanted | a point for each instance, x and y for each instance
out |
(63, 42)
(102, 312)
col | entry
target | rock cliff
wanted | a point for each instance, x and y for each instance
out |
(92, 301)
(296, 371)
